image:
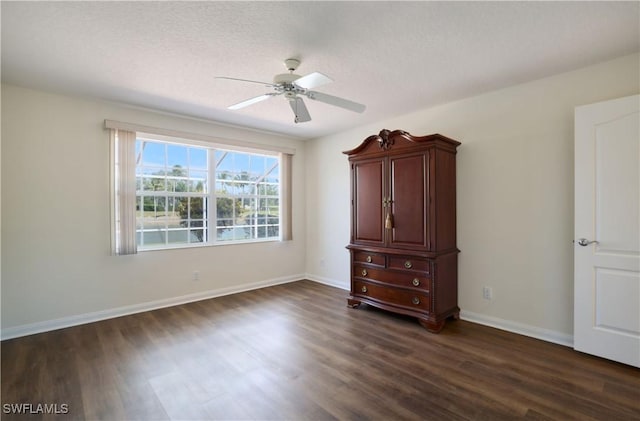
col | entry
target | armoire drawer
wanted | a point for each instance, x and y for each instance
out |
(410, 263)
(369, 258)
(399, 278)
(415, 300)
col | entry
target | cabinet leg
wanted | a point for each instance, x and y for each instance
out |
(353, 303)
(432, 327)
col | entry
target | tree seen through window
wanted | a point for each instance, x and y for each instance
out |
(174, 197)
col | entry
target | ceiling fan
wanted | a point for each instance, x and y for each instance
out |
(294, 87)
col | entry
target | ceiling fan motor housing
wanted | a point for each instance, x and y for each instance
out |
(285, 78)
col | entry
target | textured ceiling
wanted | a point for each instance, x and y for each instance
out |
(395, 57)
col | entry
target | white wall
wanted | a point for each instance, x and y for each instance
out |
(56, 262)
(514, 193)
(515, 208)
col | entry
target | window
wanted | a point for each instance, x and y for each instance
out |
(247, 192)
(174, 189)
(191, 194)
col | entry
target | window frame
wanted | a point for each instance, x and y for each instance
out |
(257, 197)
(210, 223)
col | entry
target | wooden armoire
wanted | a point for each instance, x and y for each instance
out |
(403, 226)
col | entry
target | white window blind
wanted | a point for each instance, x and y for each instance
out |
(285, 186)
(124, 191)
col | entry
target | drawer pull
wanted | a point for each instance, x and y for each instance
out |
(408, 264)
(414, 300)
(369, 259)
(364, 289)
(415, 282)
(364, 272)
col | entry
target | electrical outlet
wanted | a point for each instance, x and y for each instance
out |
(195, 276)
(487, 293)
(322, 262)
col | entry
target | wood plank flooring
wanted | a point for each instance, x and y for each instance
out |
(296, 352)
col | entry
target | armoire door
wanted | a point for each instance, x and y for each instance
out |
(367, 202)
(409, 196)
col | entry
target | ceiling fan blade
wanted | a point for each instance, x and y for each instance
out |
(251, 101)
(312, 80)
(299, 110)
(245, 80)
(334, 100)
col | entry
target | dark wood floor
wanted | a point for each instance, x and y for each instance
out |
(297, 352)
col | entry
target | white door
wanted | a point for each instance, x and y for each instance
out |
(607, 230)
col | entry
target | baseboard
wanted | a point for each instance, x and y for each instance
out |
(519, 328)
(328, 281)
(64, 322)
(508, 325)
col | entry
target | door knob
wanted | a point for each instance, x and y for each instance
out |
(584, 242)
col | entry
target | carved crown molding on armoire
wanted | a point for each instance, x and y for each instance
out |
(403, 226)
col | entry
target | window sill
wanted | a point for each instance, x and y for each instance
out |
(201, 245)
